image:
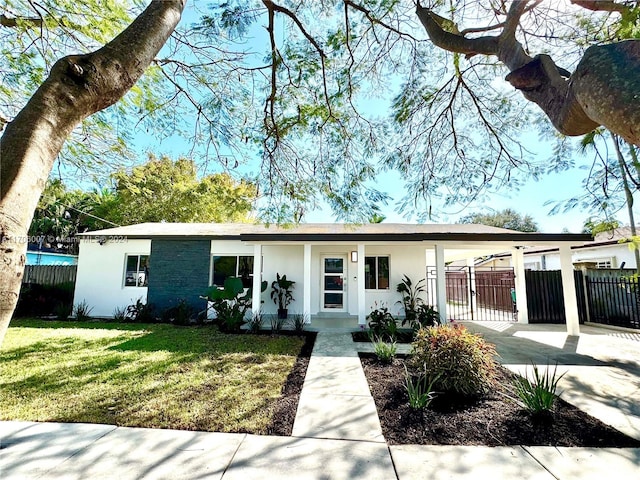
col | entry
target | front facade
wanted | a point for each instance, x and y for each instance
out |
(340, 270)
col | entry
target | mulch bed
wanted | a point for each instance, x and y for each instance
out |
(284, 410)
(403, 336)
(493, 420)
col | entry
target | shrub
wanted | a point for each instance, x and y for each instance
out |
(385, 352)
(231, 303)
(277, 323)
(461, 361)
(538, 395)
(255, 322)
(82, 311)
(382, 325)
(297, 322)
(120, 314)
(419, 389)
(411, 299)
(140, 312)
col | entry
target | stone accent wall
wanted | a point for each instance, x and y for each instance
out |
(179, 270)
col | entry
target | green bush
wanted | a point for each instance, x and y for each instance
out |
(385, 352)
(382, 325)
(461, 361)
(538, 395)
(298, 323)
(82, 311)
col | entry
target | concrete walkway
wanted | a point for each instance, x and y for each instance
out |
(603, 375)
(335, 401)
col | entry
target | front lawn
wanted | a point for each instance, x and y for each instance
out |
(141, 375)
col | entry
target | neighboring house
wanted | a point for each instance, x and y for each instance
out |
(340, 270)
(604, 251)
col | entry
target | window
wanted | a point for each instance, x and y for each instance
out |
(136, 271)
(376, 273)
(224, 266)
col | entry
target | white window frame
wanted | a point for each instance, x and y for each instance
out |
(138, 271)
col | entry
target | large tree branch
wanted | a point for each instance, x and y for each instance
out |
(13, 22)
(601, 5)
(575, 104)
(77, 86)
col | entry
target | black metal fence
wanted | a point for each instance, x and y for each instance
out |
(614, 297)
(476, 294)
(609, 297)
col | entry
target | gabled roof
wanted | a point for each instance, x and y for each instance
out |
(401, 232)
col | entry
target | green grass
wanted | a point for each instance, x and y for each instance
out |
(158, 376)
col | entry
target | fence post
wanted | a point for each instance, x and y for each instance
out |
(585, 288)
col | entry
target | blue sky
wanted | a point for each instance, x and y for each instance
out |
(529, 199)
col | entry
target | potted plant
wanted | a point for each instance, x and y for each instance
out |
(281, 294)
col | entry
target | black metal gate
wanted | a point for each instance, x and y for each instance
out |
(484, 294)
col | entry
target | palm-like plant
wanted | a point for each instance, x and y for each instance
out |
(411, 300)
(281, 293)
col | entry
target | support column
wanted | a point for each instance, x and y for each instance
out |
(362, 307)
(441, 286)
(517, 256)
(306, 285)
(256, 298)
(569, 291)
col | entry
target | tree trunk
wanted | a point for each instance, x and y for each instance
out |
(77, 86)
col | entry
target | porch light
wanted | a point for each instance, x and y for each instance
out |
(354, 256)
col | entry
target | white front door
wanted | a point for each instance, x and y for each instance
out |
(334, 272)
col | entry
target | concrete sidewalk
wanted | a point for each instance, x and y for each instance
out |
(336, 401)
(603, 374)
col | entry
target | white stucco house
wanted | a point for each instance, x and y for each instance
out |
(605, 250)
(340, 270)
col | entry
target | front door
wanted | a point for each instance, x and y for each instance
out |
(333, 275)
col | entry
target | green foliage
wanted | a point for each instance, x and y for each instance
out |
(382, 324)
(170, 191)
(596, 225)
(411, 299)
(281, 291)
(538, 394)
(506, 218)
(120, 314)
(385, 351)
(63, 311)
(143, 375)
(255, 322)
(82, 311)
(462, 362)
(140, 312)
(231, 303)
(298, 322)
(41, 300)
(419, 389)
(277, 323)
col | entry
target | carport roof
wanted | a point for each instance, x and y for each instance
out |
(338, 232)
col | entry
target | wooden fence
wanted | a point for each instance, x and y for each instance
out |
(49, 274)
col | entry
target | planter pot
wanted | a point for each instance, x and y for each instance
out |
(282, 313)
